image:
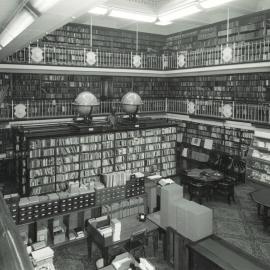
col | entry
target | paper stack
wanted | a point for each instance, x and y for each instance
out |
(106, 232)
(43, 258)
(146, 265)
(116, 226)
(164, 182)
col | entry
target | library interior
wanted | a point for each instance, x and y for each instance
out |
(135, 134)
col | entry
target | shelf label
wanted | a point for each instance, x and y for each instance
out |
(137, 126)
(91, 129)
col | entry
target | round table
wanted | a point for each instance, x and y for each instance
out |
(208, 177)
(262, 198)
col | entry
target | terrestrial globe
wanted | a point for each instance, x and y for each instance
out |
(85, 102)
(131, 102)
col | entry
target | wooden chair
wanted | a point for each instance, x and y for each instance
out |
(214, 160)
(236, 172)
(184, 181)
(198, 191)
(116, 250)
(137, 243)
(226, 188)
(225, 164)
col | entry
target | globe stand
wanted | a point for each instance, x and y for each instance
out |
(133, 118)
(87, 119)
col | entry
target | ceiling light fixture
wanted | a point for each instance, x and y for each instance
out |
(163, 23)
(179, 13)
(16, 26)
(43, 5)
(132, 16)
(213, 3)
(98, 10)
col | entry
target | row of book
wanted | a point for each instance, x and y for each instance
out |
(124, 208)
(234, 141)
(116, 178)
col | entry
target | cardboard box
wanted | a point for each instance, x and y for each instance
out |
(42, 234)
(177, 216)
(193, 221)
(169, 194)
(199, 221)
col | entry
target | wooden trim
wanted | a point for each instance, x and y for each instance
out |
(211, 70)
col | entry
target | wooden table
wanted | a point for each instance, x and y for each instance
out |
(155, 218)
(129, 225)
(262, 198)
(207, 176)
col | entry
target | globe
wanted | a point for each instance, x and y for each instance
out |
(131, 102)
(84, 103)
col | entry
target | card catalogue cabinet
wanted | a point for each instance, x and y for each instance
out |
(46, 163)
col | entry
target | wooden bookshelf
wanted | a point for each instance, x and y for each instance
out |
(104, 38)
(234, 142)
(258, 161)
(29, 86)
(250, 87)
(244, 28)
(46, 163)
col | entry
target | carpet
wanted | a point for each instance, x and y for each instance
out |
(240, 225)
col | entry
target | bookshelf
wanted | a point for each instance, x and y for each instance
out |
(5, 86)
(29, 86)
(250, 87)
(47, 161)
(196, 141)
(258, 160)
(240, 87)
(78, 35)
(245, 28)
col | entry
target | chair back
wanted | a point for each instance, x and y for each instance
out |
(139, 236)
(226, 163)
(214, 160)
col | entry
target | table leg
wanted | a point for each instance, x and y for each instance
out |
(164, 242)
(265, 217)
(89, 247)
(258, 209)
(155, 241)
(105, 255)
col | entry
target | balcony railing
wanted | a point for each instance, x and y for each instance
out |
(45, 109)
(243, 52)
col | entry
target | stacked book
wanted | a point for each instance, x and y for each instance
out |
(116, 178)
(106, 231)
(116, 227)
